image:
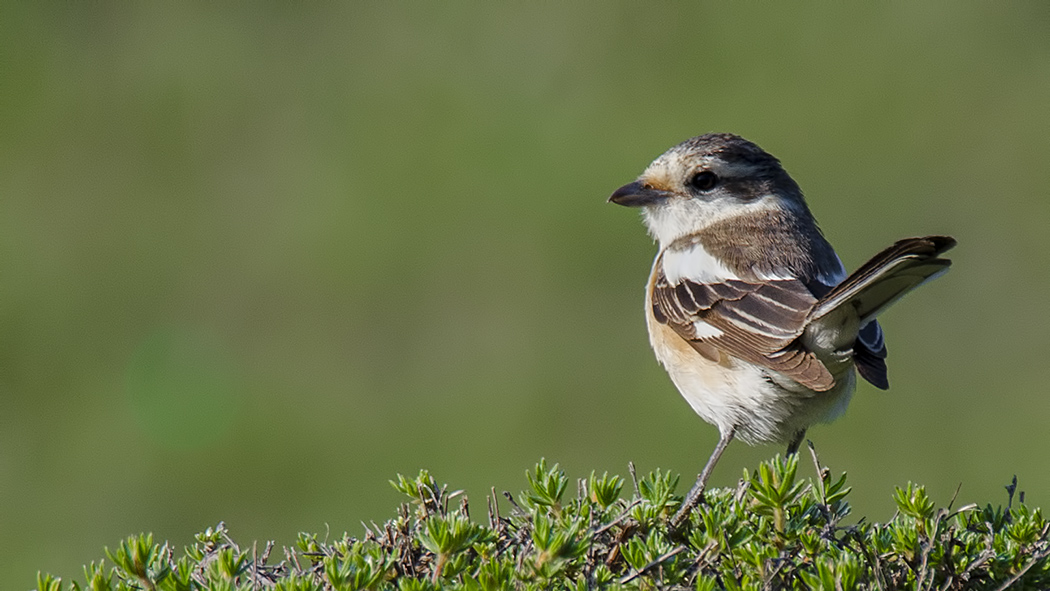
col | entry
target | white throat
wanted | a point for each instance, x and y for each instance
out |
(677, 218)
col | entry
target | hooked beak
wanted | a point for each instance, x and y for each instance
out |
(637, 194)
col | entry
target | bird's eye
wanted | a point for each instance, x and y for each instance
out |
(704, 180)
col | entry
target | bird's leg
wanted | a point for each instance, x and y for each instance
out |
(796, 441)
(697, 492)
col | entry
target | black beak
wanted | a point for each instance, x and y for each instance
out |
(637, 194)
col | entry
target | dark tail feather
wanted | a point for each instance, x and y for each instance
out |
(871, 367)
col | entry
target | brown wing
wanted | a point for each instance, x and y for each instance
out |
(757, 322)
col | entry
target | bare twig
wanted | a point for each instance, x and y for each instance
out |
(927, 547)
(510, 498)
(493, 503)
(659, 560)
(634, 478)
(768, 585)
(880, 579)
(1035, 558)
(820, 471)
(626, 513)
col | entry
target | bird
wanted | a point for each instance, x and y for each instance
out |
(748, 307)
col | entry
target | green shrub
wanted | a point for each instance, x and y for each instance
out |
(773, 531)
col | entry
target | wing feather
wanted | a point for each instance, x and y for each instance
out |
(757, 322)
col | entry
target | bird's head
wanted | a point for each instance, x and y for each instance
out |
(709, 179)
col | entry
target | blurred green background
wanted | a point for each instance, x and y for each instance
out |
(257, 259)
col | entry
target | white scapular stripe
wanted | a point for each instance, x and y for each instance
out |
(695, 264)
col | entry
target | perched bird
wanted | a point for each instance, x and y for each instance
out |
(749, 309)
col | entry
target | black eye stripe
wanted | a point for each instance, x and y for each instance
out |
(705, 180)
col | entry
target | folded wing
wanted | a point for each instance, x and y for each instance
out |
(757, 322)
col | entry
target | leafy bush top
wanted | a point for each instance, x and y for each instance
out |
(773, 531)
